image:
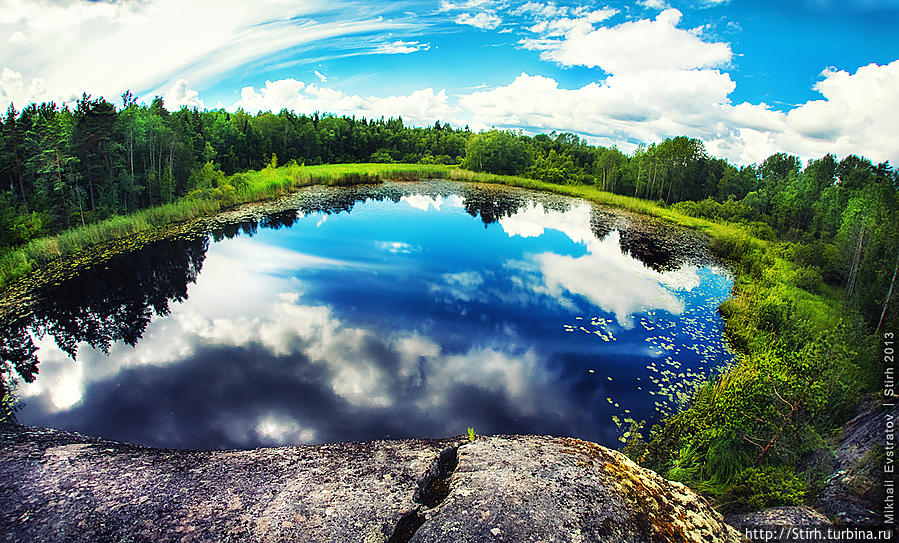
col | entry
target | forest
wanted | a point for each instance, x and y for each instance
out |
(814, 247)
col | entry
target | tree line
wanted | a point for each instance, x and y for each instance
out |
(62, 167)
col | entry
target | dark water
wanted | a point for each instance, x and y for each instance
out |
(403, 310)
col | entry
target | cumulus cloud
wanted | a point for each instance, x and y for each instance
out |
(181, 95)
(857, 112)
(290, 346)
(532, 221)
(15, 89)
(662, 79)
(632, 46)
(423, 106)
(619, 285)
(642, 106)
(665, 80)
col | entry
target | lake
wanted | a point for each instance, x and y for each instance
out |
(379, 311)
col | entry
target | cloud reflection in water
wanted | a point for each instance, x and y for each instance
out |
(283, 340)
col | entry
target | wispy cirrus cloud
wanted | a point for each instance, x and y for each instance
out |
(58, 49)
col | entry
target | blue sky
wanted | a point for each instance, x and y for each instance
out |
(748, 77)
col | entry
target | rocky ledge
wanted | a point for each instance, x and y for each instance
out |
(58, 486)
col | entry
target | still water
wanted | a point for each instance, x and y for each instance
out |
(390, 311)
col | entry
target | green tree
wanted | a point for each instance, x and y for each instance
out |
(499, 152)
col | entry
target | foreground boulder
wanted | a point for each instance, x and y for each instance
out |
(58, 486)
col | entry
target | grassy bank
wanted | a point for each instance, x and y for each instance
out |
(802, 359)
(246, 187)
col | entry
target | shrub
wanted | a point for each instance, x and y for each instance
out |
(731, 246)
(240, 182)
(809, 278)
(764, 486)
(381, 157)
(821, 255)
(761, 230)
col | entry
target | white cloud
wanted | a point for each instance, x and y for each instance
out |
(653, 4)
(662, 80)
(425, 202)
(104, 48)
(271, 315)
(446, 5)
(539, 27)
(858, 112)
(645, 106)
(483, 20)
(14, 89)
(423, 106)
(554, 21)
(539, 9)
(180, 95)
(622, 286)
(397, 247)
(401, 47)
(631, 46)
(463, 286)
(532, 221)
(616, 282)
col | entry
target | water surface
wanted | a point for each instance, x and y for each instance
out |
(391, 311)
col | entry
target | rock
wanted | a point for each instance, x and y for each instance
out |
(782, 524)
(527, 488)
(59, 486)
(854, 492)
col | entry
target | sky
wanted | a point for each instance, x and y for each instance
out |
(749, 78)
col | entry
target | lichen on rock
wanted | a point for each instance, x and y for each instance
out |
(57, 486)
